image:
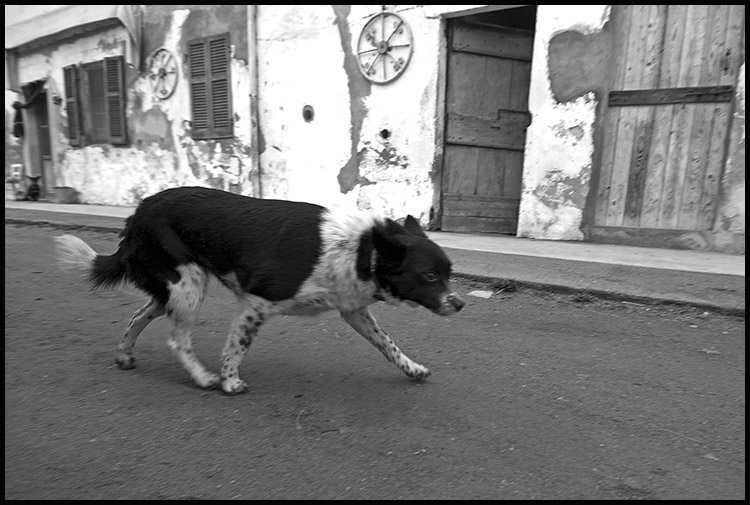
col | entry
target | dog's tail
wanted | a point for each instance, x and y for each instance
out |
(104, 271)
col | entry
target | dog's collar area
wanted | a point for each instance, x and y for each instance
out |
(379, 290)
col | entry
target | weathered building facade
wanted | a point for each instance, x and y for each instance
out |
(605, 123)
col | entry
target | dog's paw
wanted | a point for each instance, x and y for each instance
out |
(233, 386)
(208, 381)
(417, 371)
(125, 361)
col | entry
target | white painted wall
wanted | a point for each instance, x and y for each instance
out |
(301, 62)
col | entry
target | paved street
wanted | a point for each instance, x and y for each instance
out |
(533, 396)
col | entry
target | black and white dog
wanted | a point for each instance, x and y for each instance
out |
(277, 257)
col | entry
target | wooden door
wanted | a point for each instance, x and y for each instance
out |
(668, 117)
(489, 69)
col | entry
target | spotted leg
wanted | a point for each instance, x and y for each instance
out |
(252, 313)
(142, 317)
(366, 325)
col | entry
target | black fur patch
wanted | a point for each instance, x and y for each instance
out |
(270, 245)
(364, 256)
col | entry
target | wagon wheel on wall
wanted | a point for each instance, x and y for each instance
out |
(384, 48)
(162, 73)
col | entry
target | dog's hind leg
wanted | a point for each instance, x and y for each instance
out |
(363, 321)
(252, 313)
(185, 299)
(140, 320)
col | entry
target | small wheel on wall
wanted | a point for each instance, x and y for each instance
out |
(384, 48)
(162, 73)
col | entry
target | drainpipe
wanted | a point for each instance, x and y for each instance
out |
(252, 62)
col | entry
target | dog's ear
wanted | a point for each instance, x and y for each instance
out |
(386, 239)
(412, 226)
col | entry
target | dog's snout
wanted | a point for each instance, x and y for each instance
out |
(456, 301)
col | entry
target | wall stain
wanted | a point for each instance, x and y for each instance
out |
(106, 46)
(388, 156)
(575, 132)
(580, 63)
(559, 189)
(151, 127)
(359, 88)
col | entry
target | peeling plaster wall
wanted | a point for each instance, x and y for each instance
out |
(115, 175)
(48, 63)
(729, 230)
(560, 140)
(161, 152)
(369, 146)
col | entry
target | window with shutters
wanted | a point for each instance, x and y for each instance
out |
(210, 94)
(95, 102)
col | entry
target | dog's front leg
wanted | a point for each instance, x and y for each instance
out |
(252, 314)
(363, 321)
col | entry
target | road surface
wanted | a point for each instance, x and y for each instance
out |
(532, 396)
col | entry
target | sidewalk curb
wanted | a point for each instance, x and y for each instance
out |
(587, 294)
(62, 226)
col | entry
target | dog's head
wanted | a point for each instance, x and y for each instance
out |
(412, 268)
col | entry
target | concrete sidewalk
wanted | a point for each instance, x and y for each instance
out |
(711, 281)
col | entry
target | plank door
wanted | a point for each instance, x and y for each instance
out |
(488, 74)
(668, 117)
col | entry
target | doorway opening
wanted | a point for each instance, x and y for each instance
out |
(488, 73)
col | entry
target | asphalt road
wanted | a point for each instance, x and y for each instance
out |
(532, 396)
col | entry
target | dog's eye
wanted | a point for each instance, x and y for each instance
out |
(430, 277)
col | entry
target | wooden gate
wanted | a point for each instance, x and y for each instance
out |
(668, 117)
(488, 75)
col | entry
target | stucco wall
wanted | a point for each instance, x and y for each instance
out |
(559, 141)
(370, 146)
(160, 152)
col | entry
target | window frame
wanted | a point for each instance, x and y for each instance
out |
(76, 81)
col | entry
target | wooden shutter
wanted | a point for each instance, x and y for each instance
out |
(70, 79)
(199, 84)
(210, 92)
(221, 111)
(114, 83)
